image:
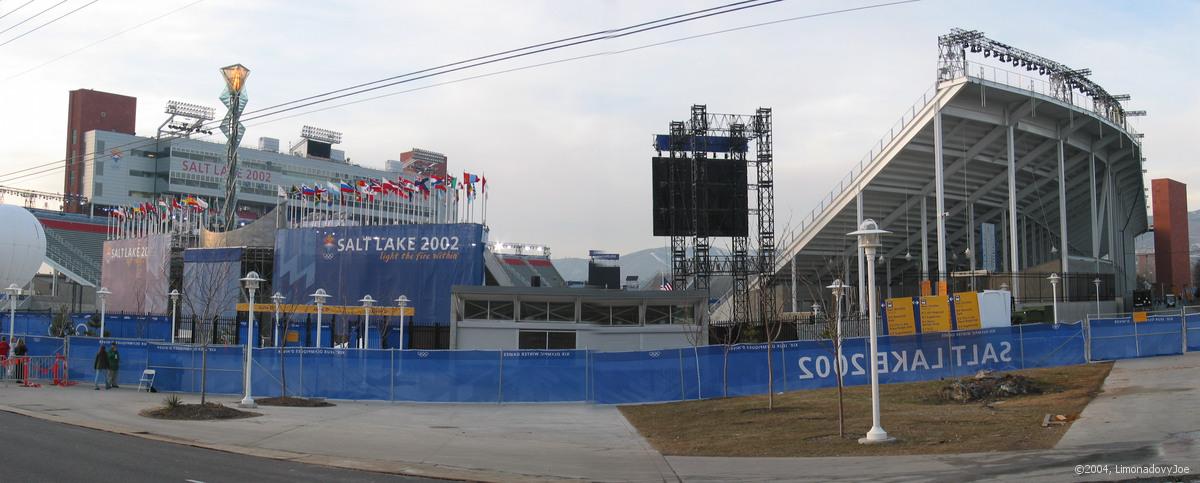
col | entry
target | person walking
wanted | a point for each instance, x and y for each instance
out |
(101, 367)
(114, 364)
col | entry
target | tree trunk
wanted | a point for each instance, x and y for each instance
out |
(770, 375)
(841, 414)
(203, 373)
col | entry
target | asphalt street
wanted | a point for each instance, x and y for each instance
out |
(34, 450)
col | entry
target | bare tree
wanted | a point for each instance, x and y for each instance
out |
(207, 295)
(772, 324)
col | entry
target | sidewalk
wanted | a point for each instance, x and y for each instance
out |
(1145, 415)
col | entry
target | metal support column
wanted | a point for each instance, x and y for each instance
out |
(1062, 216)
(862, 269)
(1095, 219)
(1015, 255)
(924, 241)
(940, 185)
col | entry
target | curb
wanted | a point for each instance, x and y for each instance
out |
(374, 466)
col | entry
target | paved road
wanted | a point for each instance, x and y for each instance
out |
(33, 450)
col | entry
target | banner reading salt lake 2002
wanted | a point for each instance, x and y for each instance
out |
(420, 262)
(136, 271)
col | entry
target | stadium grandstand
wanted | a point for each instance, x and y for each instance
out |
(1009, 168)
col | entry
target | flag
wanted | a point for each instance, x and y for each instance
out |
(280, 191)
(333, 187)
(666, 285)
(389, 187)
(190, 200)
(175, 204)
(117, 213)
(483, 185)
(438, 183)
(202, 204)
(319, 190)
(346, 187)
(306, 190)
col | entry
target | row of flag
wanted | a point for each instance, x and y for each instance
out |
(164, 207)
(404, 188)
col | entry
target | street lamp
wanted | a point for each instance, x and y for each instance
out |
(869, 239)
(102, 294)
(1097, 282)
(174, 302)
(14, 291)
(367, 302)
(277, 299)
(251, 281)
(319, 299)
(1054, 278)
(838, 288)
(402, 301)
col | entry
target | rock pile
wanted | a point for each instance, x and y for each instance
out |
(986, 386)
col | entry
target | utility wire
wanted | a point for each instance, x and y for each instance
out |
(93, 44)
(10, 12)
(646, 46)
(60, 17)
(740, 5)
(18, 24)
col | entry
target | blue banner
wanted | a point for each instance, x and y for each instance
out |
(420, 262)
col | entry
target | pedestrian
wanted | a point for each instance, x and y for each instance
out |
(114, 364)
(18, 355)
(101, 367)
(4, 349)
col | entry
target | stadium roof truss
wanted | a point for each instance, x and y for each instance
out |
(1022, 151)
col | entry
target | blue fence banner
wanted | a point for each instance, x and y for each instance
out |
(539, 376)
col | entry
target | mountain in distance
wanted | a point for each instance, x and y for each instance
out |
(648, 264)
(1145, 242)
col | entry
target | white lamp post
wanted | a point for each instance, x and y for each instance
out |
(251, 281)
(319, 299)
(100, 296)
(402, 301)
(14, 291)
(1097, 282)
(277, 299)
(869, 239)
(838, 288)
(367, 302)
(1053, 278)
(174, 302)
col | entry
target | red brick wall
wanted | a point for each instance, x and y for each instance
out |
(90, 110)
(1171, 264)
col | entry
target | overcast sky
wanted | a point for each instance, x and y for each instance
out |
(566, 147)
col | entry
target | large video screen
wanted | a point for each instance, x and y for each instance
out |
(420, 262)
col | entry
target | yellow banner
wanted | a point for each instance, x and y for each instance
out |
(327, 309)
(935, 313)
(900, 317)
(966, 310)
(1139, 317)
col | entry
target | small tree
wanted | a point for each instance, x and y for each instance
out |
(60, 325)
(772, 324)
(206, 295)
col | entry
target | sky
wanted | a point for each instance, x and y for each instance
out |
(566, 147)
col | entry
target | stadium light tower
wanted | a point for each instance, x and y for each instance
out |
(367, 302)
(102, 294)
(251, 281)
(319, 300)
(870, 238)
(402, 301)
(14, 291)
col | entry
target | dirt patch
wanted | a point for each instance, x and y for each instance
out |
(293, 402)
(805, 422)
(197, 412)
(987, 386)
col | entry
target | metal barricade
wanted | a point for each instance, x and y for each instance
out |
(32, 371)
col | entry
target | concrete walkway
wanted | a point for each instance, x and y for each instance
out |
(1146, 415)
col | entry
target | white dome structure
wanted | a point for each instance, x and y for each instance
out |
(22, 246)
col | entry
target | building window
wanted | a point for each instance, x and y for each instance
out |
(683, 314)
(99, 168)
(534, 311)
(543, 339)
(475, 310)
(500, 310)
(562, 311)
(658, 314)
(98, 190)
(594, 314)
(625, 315)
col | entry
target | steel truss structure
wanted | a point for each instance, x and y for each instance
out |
(688, 140)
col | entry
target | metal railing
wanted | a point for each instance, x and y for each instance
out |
(1040, 86)
(65, 254)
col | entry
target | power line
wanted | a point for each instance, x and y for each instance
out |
(93, 44)
(10, 12)
(606, 53)
(60, 17)
(18, 24)
(740, 5)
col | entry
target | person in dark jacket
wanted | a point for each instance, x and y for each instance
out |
(4, 350)
(114, 364)
(101, 367)
(19, 353)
